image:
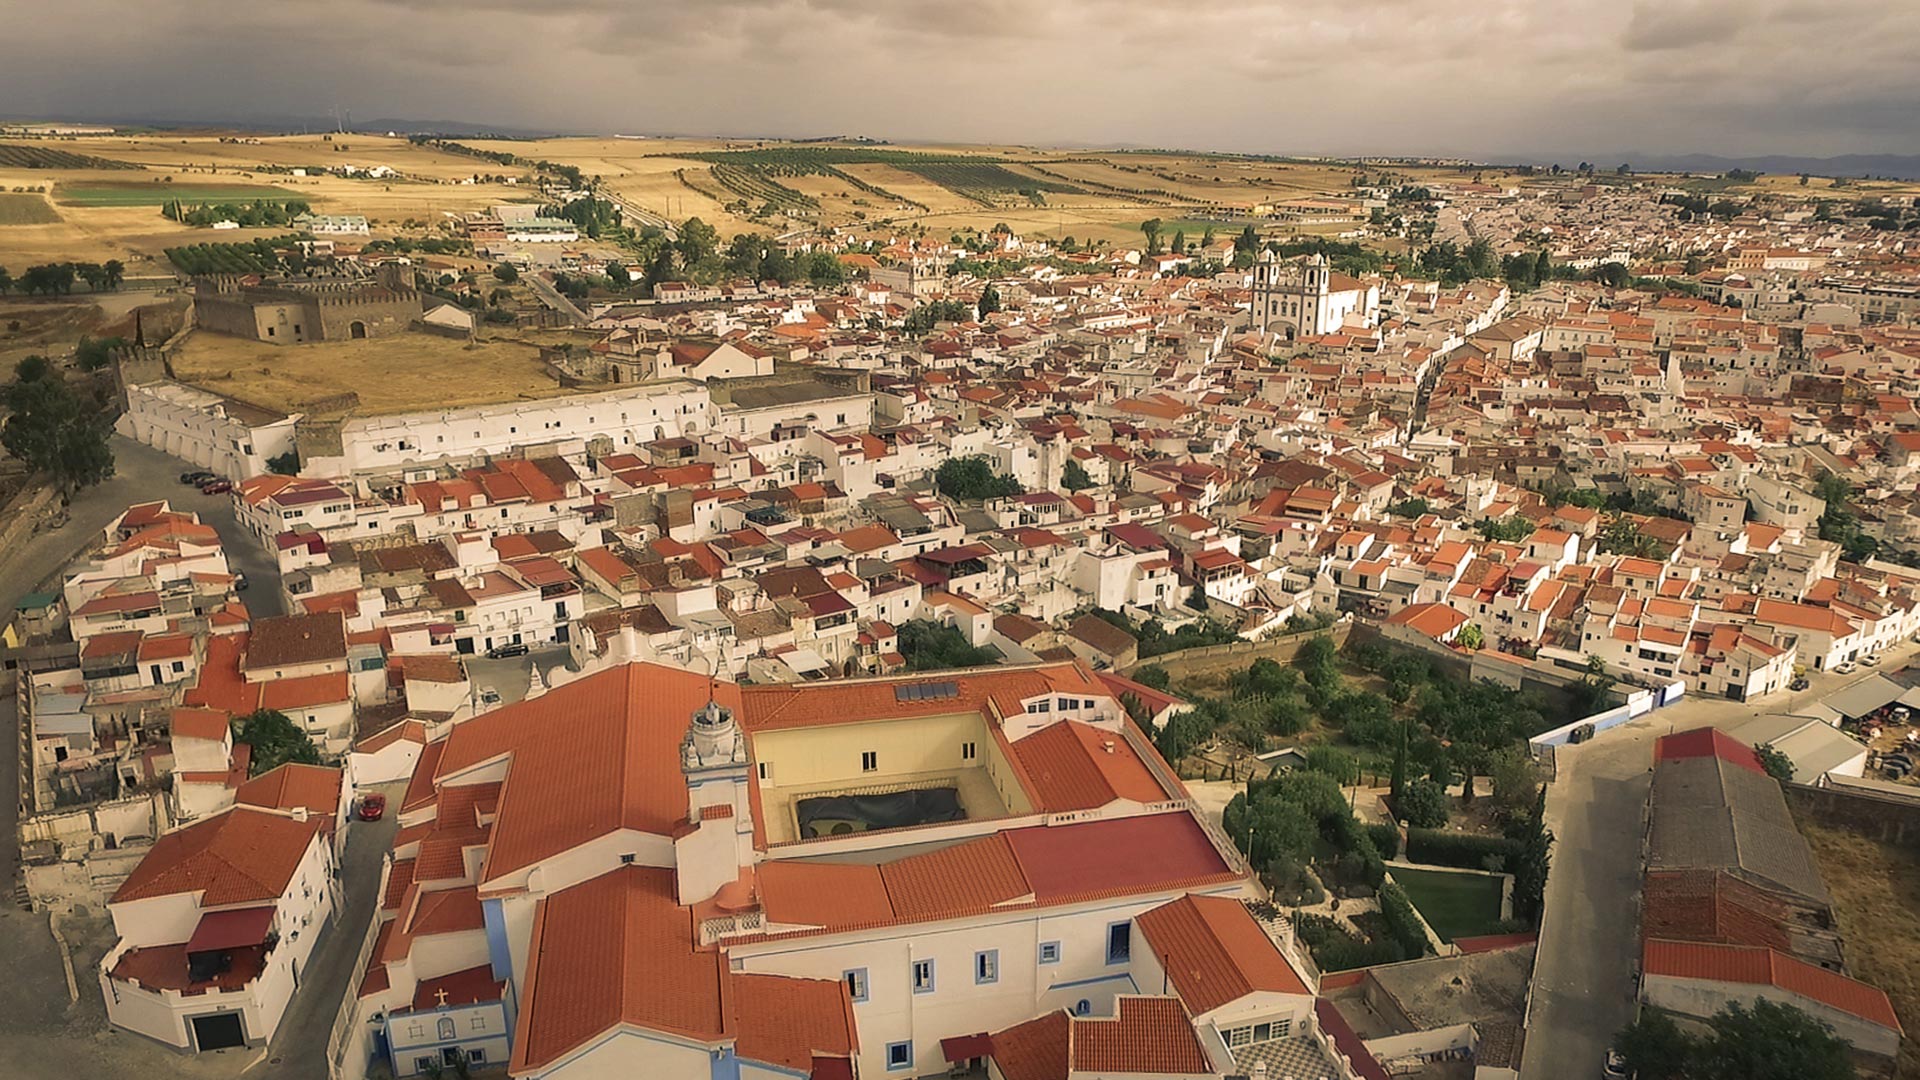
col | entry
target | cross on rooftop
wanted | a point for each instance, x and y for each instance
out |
(440, 995)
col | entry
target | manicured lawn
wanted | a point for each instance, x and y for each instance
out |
(1455, 905)
(152, 194)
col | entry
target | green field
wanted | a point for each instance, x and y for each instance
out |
(19, 208)
(1456, 905)
(97, 194)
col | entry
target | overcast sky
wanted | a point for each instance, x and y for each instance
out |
(1472, 77)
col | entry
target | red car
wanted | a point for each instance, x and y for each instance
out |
(373, 807)
(216, 487)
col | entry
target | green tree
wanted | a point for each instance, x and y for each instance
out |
(1246, 249)
(972, 479)
(1179, 241)
(1074, 477)
(6, 281)
(32, 368)
(616, 271)
(92, 354)
(1516, 782)
(1531, 866)
(1410, 508)
(931, 646)
(1771, 1041)
(275, 740)
(287, 464)
(1422, 804)
(1152, 675)
(112, 273)
(52, 429)
(1150, 229)
(1507, 530)
(1471, 637)
(1655, 1048)
(1778, 765)
(698, 242)
(1397, 786)
(989, 301)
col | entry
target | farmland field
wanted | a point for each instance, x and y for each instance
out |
(19, 208)
(154, 194)
(34, 156)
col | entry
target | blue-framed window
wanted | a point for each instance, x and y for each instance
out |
(1119, 942)
(922, 977)
(857, 987)
(986, 967)
(1049, 952)
(899, 1056)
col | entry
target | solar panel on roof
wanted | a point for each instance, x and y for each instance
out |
(926, 691)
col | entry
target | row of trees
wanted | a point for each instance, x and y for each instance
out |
(53, 279)
(258, 214)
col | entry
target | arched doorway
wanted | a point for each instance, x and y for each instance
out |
(356, 329)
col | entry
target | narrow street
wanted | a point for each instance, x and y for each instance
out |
(1596, 807)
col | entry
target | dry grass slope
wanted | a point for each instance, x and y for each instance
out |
(1876, 900)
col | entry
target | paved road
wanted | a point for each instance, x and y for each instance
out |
(551, 297)
(1596, 807)
(299, 1048)
(141, 474)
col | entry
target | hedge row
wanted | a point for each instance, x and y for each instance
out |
(1464, 850)
(1386, 839)
(1402, 922)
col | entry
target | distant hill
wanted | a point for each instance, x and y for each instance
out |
(1898, 166)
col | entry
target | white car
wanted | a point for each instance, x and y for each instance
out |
(1614, 1067)
(1845, 667)
(1870, 660)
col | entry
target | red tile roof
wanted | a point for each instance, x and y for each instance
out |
(243, 856)
(556, 794)
(618, 949)
(1707, 742)
(1035, 1050)
(1096, 857)
(789, 1022)
(285, 787)
(475, 984)
(1214, 953)
(1076, 766)
(1766, 967)
(1149, 1035)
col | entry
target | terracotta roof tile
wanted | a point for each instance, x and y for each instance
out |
(241, 856)
(1214, 953)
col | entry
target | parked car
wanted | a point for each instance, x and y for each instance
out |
(1614, 1067)
(216, 486)
(489, 696)
(1844, 667)
(502, 652)
(1800, 682)
(1870, 660)
(373, 806)
(240, 583)
(196, 478)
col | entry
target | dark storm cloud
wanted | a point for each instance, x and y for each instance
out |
(1331, 76)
